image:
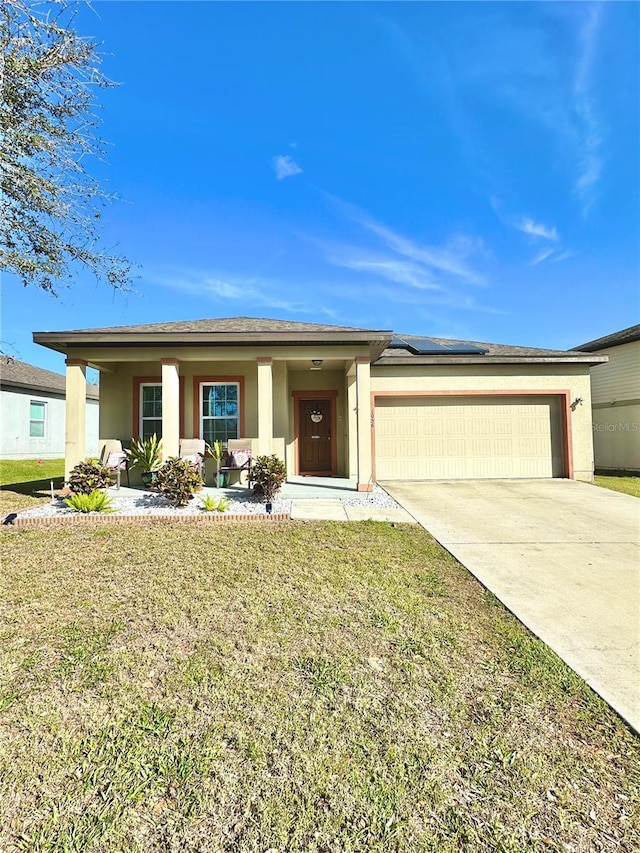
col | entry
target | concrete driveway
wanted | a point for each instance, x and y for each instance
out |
(563, 556)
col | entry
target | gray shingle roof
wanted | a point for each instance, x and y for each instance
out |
(19, 374)
(625, 336)
(242, 330)
(238, 325)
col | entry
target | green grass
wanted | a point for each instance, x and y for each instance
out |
(628, 485)
(289, 687)
(27, 482)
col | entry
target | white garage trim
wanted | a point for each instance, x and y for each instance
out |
(542, 434)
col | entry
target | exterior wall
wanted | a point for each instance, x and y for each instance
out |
(117, 395)
(619, 379)
(513, 379)
(615, 389)
(15, 441)
(616, 437)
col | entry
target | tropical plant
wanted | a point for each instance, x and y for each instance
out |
(268, 474)
(215, 451)
(95, 501)
(86, 477)
(145, 453)
(209, 503)
(178, 481)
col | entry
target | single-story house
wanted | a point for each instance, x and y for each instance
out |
(366, 404)
(615, 391)
(32, 412)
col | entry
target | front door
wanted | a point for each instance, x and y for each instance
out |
(314, 436)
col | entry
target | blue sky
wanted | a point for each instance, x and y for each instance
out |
(458, 170)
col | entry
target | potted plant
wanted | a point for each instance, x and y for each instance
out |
(215, 452)
(146, 454)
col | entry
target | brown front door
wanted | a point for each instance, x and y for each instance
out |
(314, 436)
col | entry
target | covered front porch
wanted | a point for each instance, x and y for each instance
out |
(311, 406)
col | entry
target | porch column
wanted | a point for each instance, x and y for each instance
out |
(363, 401)
(75, 414)
(352, 423)
(265, 405)
(170, 407)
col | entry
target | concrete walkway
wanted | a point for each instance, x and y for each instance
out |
(563, 556)
(318, 509)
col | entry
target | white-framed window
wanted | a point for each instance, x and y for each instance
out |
(219, 411)
(37, 418)
(150, 410)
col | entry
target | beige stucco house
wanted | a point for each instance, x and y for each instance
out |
(615, 390)
(337, 401)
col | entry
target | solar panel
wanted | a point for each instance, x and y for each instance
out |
(397, 343)
(425, 346)
(468, 349)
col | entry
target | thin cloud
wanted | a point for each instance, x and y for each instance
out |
(540, 257)
(449, 260)
(401, 272)
(591, 159)
(255, 291)
(536, 229)
(285, 167)
(562, 257)
(397, 296)
(523, 223)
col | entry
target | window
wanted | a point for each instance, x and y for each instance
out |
(219, 411)
(37, 419)
(150, 410)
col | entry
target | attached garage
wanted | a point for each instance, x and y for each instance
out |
(468, 437)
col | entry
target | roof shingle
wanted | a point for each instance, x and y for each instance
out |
(19, 374)
(624, 336)
(237, 325)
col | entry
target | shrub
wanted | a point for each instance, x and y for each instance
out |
(268, 473)
(177, 480)
(210, 504)
(86, 477)
(95, 501)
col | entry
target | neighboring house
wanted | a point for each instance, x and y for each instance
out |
(32, 412)
(333, 401)
(615, 393)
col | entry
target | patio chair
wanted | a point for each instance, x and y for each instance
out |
(193, 450)
(115, 459)
(237, 458)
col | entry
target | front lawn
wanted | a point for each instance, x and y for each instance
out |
(27, 482)
(317, 687)
(628, 485)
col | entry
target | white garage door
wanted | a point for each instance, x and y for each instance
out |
(443, 438)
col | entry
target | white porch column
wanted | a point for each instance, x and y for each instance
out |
(75, 414)
(170, 407)
(265, 405)
(363, 400)
(352, 423)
